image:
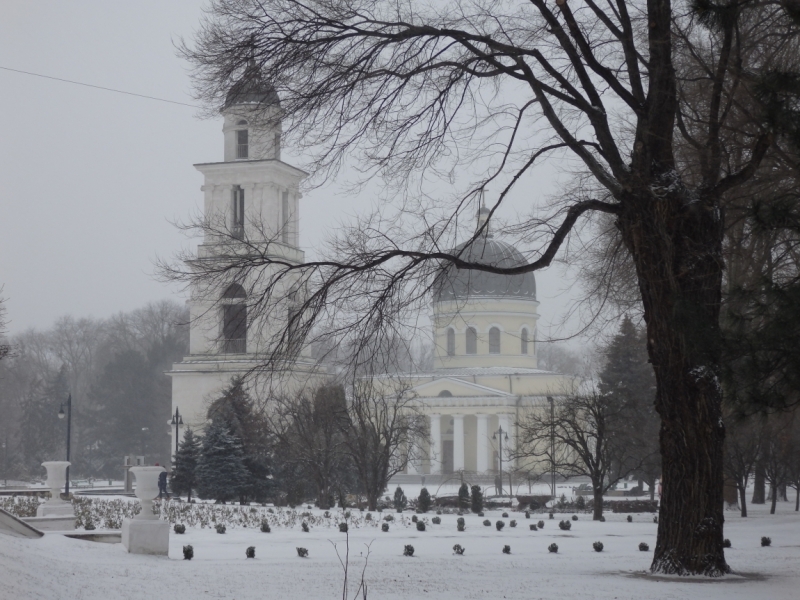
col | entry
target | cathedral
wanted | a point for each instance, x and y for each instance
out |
(485, 371)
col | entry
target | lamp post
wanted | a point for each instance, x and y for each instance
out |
(69, 433)
(177, 420)
(552, 444)
(498, 435)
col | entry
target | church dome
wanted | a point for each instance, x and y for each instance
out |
(252, 88)
(459, 284)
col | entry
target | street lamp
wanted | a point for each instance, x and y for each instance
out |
(498, 435)
(552, 444)
(69, 433)
(177, 420)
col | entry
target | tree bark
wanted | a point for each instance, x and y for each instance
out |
(760, 485)
(597, 508)
(676, 245)
(774, 495)
(797, 500)
(743, 500)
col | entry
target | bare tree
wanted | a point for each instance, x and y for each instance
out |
(412, 91)
(743, 444)
(384, 431)
(580, 436)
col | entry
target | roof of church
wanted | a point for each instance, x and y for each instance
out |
(460, 284)
(252, 88)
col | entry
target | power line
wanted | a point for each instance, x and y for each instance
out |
(98, 87)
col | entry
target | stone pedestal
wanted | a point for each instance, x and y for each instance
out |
(56, 514)
(145, 536)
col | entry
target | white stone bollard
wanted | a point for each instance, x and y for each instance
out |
(146, 533)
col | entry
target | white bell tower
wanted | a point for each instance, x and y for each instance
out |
(251, 201)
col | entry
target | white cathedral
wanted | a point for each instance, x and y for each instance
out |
(485, 371)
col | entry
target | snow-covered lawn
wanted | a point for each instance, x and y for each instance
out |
(56, 567)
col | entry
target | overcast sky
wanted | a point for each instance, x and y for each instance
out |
(91, 181)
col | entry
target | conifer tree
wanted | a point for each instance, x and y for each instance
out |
(424, 500)
(463, 497)
(400, 500)
(477, 499)
(221, 473)
(184, 473)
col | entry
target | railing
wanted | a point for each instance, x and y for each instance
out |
(235, 346)
(242, 150)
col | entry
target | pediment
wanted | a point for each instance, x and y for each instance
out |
(456, 387)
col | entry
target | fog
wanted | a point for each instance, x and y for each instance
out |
(92, 181)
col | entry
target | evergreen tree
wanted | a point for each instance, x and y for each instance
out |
(221, 473)
(400, 500)
(424, 500)
(463, 497)
(184, 473)
(477, 499)
(627, 382)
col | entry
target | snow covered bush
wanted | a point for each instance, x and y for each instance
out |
(551, 516)
(424, 501)
(630, 519)
(388, 518)
(188, 552)
(553, 548)
(765, 541)
(533, 527)
(250, 552)
(343, 527)
(89, 525)
(500, 525)
(644, 547)
(477, 500)
(302, 552)
(575, 517)
(480, 514)
(463, 497)
(541, 524)
(436, 520)
(265, 526)
(598, 546)
(506, 549)
(179, 528)
(368, 517)
(408, 550)
(655, 519)
(602, 519)
(461, 524)
(458, 549)
(505, 515)
(487, 522)
(420, 526)
(414, 518)
(400, 501)
(220, 528)
(564, 525)
(304, 526)
(385, 527)
(726, 543)
(527, 514)
(513, 523)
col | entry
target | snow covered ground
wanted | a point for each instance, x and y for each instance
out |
(56, 567)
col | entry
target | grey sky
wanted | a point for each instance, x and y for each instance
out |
(90, 180)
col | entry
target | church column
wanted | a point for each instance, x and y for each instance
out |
(458, 442)
(436, 444)
(483, 443)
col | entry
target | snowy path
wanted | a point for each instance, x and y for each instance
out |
(55, 567)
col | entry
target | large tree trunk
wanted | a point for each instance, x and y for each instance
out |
(743, 500)
(774, 495)
(676, 242)
(597, 507)
(759, 485)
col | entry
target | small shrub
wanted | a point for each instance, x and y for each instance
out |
(527, 514)
(302, 552)
(575, 517)
(500, 525)
(420, 525)
(89, 525)
(506, 549)
(388, 518)
(533, 527)
(304, 525)
(644, 547)
(179, 528)
(368, 517)
(765, 541)
(343, 527)
(408, 550)
(188, 552)
(220, 528)
(726, 543)
(505, 515)
(541, 524)
(461, 524)
(553, 548)
(602, 519)
(551, 516)
(512, 523)
(598, 546)
(436, 520)
(265, 527)
(414, 518)
(480, 514)
(424, 501)
(250, 552)
(327, 514)
(564, 525)
(438, 512)
(655, 519)
(458, 549)
(385, 527)
(487, 523)
(630, 519)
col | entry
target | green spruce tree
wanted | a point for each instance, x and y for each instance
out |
(463, 497)
(400, 500)
(184, 473)
(424, 501)
(221, 474)
(477, 499)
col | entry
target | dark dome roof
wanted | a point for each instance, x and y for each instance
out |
(252, 88)
(458, 284)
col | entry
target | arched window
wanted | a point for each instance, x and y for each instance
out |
(234, 320)
(241, 122)
(523, 338)
(472, 341)
(451, 342)
(494, 341)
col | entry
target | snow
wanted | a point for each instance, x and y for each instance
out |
(58, 567)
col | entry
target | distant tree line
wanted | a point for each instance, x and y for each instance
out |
(113, 368)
